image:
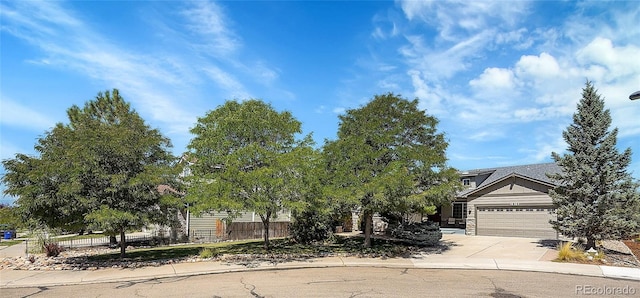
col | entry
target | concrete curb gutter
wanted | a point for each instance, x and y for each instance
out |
(20, 278)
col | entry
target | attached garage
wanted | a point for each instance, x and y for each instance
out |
(529, 222)
(510, 201)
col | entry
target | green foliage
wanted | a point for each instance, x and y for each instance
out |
(245, 157)
(311, 226)
(10, 217)
(208, 253)
(10, 242)
(596, 197)
(113, 221)
(390, 157)
(106, 159)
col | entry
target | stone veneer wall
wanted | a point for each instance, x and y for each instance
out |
(470, 228)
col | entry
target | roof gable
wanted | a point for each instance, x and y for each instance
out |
(533, 172)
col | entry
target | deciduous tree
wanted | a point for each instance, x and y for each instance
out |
(390, 157)
(596, 197)
(246, 158)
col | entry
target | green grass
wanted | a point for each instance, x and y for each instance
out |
(10, 242)
(281, 246)
(78, 237)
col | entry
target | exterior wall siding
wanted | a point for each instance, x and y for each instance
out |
(512, 193)
(210, 226)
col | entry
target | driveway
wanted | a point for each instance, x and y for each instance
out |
(489, 247)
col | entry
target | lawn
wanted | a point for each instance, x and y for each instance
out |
(78, 237)
(283, 247)
(10, 242)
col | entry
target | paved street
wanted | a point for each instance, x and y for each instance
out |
(347, 282)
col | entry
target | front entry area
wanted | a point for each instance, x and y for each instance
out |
(520, 221)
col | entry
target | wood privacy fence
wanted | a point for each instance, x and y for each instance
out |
(239, 231)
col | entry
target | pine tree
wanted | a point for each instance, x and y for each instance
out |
(99, 171)
(596, 198)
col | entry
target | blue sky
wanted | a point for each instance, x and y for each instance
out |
(503, 77)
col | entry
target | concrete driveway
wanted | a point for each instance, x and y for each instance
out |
(489, 247)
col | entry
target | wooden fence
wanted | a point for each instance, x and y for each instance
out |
(239, 231)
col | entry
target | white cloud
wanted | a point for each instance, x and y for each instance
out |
(226, 81)
(70, 43)
(454, 19)
(494, 78)
(208, 20)
(18, 115)
(486, 135)
(537, 67)
(543, 142)
(439, 64)
(610, 62)
(430, 100)
(9, 150)
(339, 110)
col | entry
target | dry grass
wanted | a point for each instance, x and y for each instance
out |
(567, 252)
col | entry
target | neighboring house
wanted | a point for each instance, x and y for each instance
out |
(210, 226)
(506, 201)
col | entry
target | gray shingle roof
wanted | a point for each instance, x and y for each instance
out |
(536, 172)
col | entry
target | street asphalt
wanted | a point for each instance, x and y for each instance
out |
(465, 252)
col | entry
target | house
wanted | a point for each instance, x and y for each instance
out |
(212, 226)
(507, 201)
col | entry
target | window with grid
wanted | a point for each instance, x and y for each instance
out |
(460, 210)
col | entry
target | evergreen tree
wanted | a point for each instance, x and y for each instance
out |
(100, 170)
(596, 197)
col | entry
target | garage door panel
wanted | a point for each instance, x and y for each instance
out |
(532, 222)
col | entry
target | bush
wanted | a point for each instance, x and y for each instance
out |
(208, 253)
(568, 252)
(45, 244)
(311, 226)
(416, 233)
(52, 249)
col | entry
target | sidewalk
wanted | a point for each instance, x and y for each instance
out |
(17, 250)
(486, 253)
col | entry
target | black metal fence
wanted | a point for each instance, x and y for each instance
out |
(234, 231)
(134, 239)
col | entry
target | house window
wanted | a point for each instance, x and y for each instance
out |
(459, 210)
(466, 182)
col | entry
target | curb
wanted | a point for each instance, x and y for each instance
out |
(189, 269)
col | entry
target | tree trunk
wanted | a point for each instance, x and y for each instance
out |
(265, 225)
(368, 228)
(266, 234)
(113, 241)
(123, 244)
(591, 242)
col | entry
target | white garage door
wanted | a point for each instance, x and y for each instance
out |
(530, 222)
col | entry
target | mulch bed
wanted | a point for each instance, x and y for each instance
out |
(634, 246)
